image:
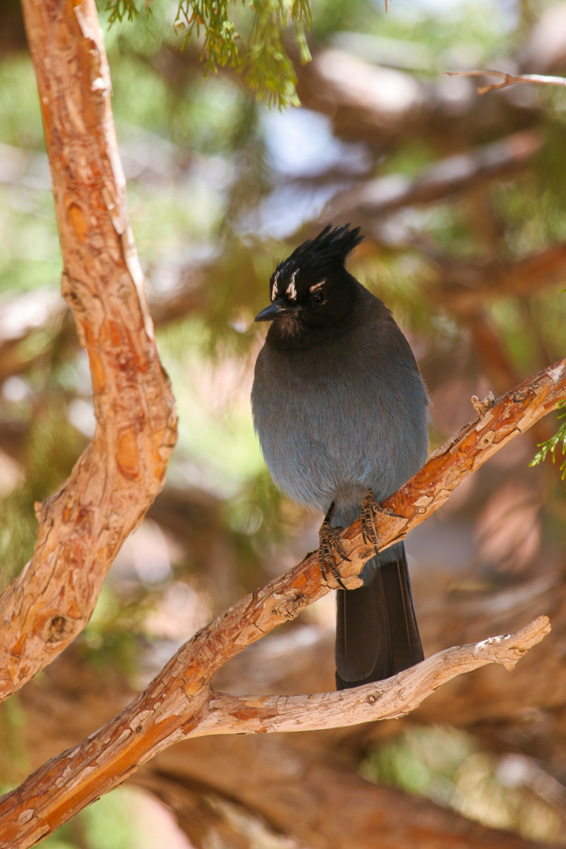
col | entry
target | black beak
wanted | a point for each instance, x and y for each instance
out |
(274, 310)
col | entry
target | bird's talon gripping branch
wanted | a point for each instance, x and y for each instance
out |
(369, 531)
(329, 547)
(371, 506)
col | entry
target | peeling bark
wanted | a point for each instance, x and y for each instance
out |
(82, 527)
(178, 698)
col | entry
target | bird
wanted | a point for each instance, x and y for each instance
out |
(341, 413)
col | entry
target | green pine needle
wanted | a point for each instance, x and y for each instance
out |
(550, 446)
(264, 61)
(120, 9)
(262, 58)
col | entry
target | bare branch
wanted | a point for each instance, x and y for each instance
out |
(388, 699)
(383, 105)
(176, 701)
(111, 487)
(508, 79)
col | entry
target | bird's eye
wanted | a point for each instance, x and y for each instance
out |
(318, 297)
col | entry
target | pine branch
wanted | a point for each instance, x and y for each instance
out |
(179, 699)
(262, 58)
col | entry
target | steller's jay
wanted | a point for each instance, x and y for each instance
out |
(341, 413)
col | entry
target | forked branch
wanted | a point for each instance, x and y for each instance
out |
(390, 699)
(112, 485)
(179, 702)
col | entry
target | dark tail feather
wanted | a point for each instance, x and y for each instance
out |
(376, 628)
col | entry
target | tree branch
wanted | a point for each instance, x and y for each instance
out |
(508, 79)
(82, 527)
(384, 105)
(176, 702)
(390, 699)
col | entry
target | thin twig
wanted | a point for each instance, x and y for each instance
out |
(508, 79)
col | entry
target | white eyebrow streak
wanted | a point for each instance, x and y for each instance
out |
(291, 288)
(274, 292)
(317, 285)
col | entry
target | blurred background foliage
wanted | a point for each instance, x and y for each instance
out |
(463, 203)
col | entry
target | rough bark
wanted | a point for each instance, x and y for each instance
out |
(112, 485)
(304, 785)
(178, 698)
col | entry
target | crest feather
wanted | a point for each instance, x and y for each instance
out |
(332, 245)
(314, 259)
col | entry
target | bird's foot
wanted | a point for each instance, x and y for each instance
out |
(371, 506)
(329, 547)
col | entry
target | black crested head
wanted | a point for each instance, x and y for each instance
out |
(311, 289)
(329, 251)
(325, 254)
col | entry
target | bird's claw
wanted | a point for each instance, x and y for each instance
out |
(329, 546)
(370, 506)
(369, 531)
